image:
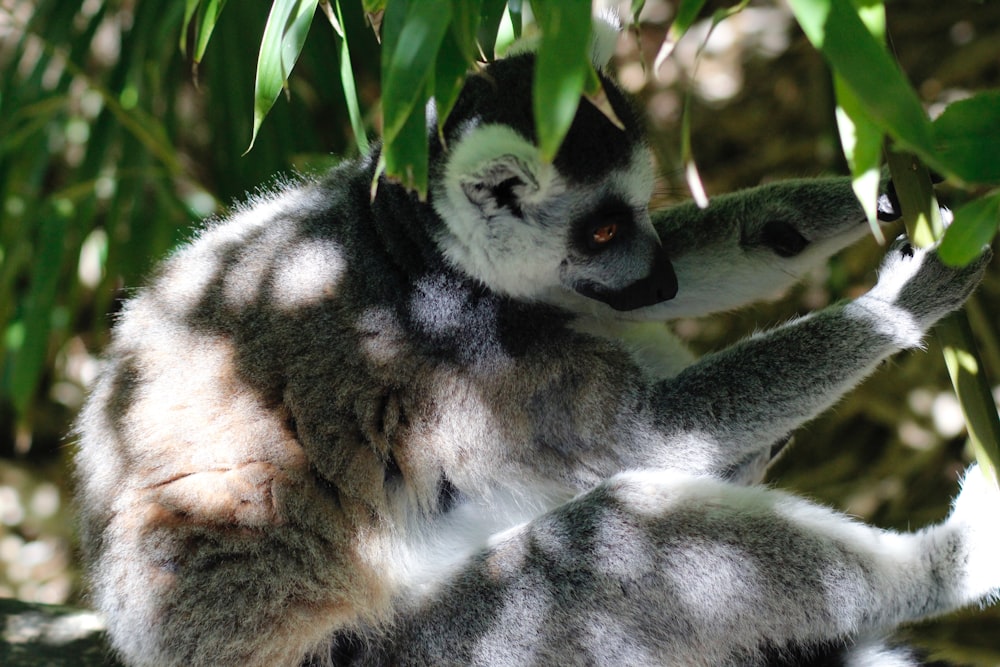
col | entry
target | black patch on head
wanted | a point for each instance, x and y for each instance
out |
(783, 238)
(659, 285)
(502, 94)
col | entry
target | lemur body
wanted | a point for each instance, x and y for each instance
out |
(392, 431)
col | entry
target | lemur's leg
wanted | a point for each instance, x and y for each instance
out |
(664, 568)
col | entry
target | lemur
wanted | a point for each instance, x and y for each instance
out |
(353, 430)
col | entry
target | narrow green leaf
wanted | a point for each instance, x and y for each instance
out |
(834, 27)
(687, 13)
(967, 138)
(974, 226)
(636, 9)
(560, 69)
(407, 154)
(349, 87)
(515, 10)
(209, 16)
(466, 16)
(860, 136)
(285, 33)
(491, 15)
(861, 140)
(449, 76)
(29, 360)
(190, 6)
(411, 38)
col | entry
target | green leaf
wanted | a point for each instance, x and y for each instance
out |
(974, 226)
(515, 10)
(860, 137)
(561, 69)
(285, 33)
(209, 16)
(190, 6)
(412, 32)
(834, 27)
(687, 13)
(466, 15)
(967, 138)
(449, 76)
(406, 156)
(636, 9)
(491, 15)
(29, 361)
(349, 87)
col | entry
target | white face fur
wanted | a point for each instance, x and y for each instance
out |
(511, 220)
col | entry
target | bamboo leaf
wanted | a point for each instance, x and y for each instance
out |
(209, 17)
(974, 226)
(491, 15)
(411, 38)
(285, 33)
(561, 69)
(190, 6)
(834, 27)
(29, 359)
(636, 9)
(967, 138)
(347, 80)
(449, 76)
(466, 16)
(406, 157)
(861, 140)
(687, 13)
(860, 136)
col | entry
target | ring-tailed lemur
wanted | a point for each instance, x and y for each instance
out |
(386, 431)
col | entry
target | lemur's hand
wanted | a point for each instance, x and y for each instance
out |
(915, 289)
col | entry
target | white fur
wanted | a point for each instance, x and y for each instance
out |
(515, 259)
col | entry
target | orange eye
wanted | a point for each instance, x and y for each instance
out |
(605, 234)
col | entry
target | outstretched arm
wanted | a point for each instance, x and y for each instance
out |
(738, 402)
(750, 245)
(658, 568)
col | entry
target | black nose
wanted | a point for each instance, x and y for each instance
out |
(660, 284)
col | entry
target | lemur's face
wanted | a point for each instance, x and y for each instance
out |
(574, 232)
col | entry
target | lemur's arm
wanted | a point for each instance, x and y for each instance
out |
(652, 567)
(738, 402)
(750, 245)
(722, 414)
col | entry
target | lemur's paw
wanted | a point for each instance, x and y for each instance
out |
(918, 282)
(975, 517)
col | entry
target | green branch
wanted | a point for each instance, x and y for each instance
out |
(924, 227)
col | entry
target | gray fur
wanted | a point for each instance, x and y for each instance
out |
(398, 432)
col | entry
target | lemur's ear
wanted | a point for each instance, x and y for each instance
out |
(503, 182)
(493, 167)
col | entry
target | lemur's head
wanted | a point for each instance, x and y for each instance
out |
(574, 232)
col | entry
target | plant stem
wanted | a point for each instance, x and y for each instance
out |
(924, 226)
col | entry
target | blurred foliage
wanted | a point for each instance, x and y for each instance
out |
(115, 139)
